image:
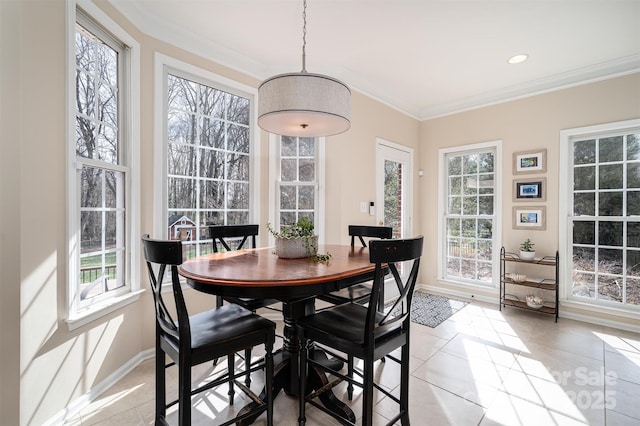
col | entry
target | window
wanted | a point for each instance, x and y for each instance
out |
(208, 159)
(297, 195)
(604, 214)
(469, 214)
(101, 214)
(297, 170)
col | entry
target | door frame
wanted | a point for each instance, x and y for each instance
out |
(387, 150)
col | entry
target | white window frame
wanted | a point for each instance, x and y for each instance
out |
(78, 313)
(565, 215)
(275, 183)
(163, 65)
(497, 218)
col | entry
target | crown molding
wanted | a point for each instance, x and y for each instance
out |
(603, 71)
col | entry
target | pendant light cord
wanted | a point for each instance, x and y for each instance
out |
(304, 36)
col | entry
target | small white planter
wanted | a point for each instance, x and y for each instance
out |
(295, 248)
(527, 255)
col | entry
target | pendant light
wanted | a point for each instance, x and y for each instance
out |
(304, 104)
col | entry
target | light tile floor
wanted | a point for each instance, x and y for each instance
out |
(480, 367)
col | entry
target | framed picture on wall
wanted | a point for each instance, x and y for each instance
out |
(530, 189)
(530, 162)
(532, 218)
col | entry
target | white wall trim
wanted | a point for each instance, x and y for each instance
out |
(462, 292)
(590, 319)
(76, 406)
(605, 71)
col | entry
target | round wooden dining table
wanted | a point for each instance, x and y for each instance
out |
(261, 274)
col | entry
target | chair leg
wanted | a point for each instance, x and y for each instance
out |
(350, 374)
(247, 365)
(184, 397)
(404, 386)
(231, 361)
(303, 381)
(161, 392)
(367, 393)
(269, 382)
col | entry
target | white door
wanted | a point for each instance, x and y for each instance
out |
(394, 164)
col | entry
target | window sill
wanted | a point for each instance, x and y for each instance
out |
(95, 312)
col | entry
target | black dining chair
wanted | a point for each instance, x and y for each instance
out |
(358, 293)
(192, 340)
(366, 333)
(234, 237)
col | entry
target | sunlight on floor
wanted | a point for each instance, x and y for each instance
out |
(481, 367)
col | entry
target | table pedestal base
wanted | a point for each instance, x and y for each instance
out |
(286, 363)
(286, 378)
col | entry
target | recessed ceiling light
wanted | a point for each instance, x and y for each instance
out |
(516, 59)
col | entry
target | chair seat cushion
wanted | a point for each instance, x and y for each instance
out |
(229, 328)
(342, 326)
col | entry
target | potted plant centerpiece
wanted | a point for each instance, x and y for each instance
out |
(526, 250)
(297, 240)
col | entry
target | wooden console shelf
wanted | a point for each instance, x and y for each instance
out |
(549, 283)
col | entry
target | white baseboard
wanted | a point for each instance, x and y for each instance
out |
(599, 321)
(468, 294)
(76, 406)
(459, 293)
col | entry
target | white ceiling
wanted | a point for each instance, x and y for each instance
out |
(424, 57)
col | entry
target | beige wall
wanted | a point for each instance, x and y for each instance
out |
(351, 163)
(523, 125)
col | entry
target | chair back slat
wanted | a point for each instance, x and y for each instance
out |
(167, 254)
(386, 254)
(221, 234)
(360, 231)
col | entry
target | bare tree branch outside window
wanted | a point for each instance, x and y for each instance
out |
(208, 152)
(606, 229)
(469, 216)
(101, 175)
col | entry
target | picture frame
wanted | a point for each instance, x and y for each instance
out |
(530, 189)
(530, 162)
(531, 218)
